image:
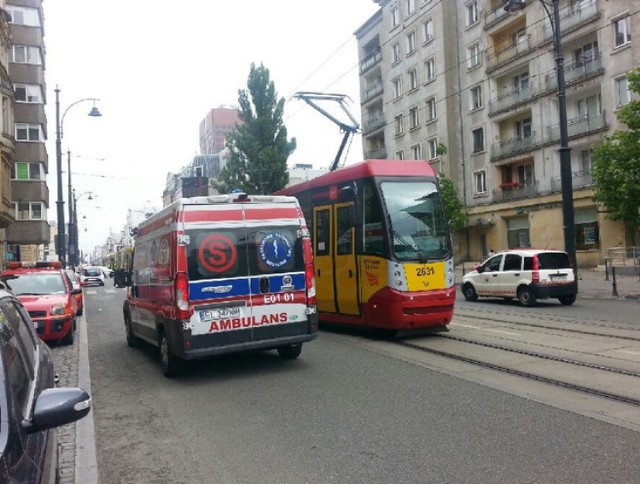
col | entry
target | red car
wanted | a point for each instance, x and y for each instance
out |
(75, 283)
(46, 292)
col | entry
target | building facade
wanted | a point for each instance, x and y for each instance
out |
(467, 76)
(26, 97)
(215, 128)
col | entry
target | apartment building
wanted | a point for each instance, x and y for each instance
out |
(481, 82)
(23, 98)
(7, 144)
(215, 128)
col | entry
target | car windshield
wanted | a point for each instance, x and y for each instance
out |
(416, 218)
(35, 284)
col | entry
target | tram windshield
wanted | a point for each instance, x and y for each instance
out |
(417, 222)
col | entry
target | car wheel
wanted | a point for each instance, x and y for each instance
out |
(132, 340)
(469, 292)
(68, 338)
(171, 364)
(567, 300)
(290, 352)
(526, 296)
(80, 311)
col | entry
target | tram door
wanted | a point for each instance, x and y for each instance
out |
(335, 260)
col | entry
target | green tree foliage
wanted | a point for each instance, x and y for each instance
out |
(259, 146)
(616, 164)
(453, 206)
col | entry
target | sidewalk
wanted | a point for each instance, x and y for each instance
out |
(592, 283)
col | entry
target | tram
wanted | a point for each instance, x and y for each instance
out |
(382, 247)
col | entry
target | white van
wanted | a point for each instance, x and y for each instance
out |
(221, 274)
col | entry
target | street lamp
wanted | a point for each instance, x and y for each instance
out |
(568, 221)
(74, 247)
(61, 248)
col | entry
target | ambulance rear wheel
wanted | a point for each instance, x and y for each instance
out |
(170, 363)
(290, 352)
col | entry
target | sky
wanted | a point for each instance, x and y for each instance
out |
(157, 71)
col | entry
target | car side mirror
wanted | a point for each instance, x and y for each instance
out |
(76, 291)
(479, 269)
(57, 406)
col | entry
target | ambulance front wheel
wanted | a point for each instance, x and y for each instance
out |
(171, 364)
(290, 352)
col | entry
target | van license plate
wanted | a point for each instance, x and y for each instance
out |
(220, 313)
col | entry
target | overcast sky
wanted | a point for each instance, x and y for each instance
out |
(159, 68)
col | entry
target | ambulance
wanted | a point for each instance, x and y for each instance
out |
(222, 274)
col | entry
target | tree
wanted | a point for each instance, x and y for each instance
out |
(616, 164)
(259, 146)
(453, 206)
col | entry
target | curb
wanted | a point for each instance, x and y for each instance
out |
(86, 460)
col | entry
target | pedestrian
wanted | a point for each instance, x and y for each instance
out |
(491, 253)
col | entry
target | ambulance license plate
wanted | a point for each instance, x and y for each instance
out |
(220, 313)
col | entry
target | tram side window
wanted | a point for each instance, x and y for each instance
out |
(373, 228)
(322, 233)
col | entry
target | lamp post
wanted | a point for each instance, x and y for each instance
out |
(74, 246)
(568, 220)
(61, 245)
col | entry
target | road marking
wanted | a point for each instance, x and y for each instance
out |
(628, 352)
(91, 291)
(110, 291)
(465, 325)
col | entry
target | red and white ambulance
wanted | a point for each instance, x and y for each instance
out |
(221, 274)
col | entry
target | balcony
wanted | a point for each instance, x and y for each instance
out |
(493, 17)
(371, 92)
(372, 124)
(522, 46)
(579, 126)
(370, 61)
(513, 146)
(515, 191)
(511, 99)
(579, 179)
(378, 154)
(570, 20)
(575, 72)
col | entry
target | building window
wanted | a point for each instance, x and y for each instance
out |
(395, 53)
(413, 79)
(427, 30)
(28, 132)
(622, 29)
(24, 54)
(29, 211)
(395, 16)
(587, 229)
(399, 125)
(475, 94)
(623, 94)
(478, 140)
(6, 110)
(411, 42)
(411, 6)
(432, 114)
(397, 87)
(23, 16)
(475, 56)
(480, 181)
(526, 175)
(585, 161)
(432, 148)
(430, 69)
(523, 128)
(414, 118)
(472, 13)
(28, 93)
(518, 232)
(416, 152)
(586, 53)
(26, 171)
(400, 155)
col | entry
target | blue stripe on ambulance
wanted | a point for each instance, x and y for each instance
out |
(223, 288)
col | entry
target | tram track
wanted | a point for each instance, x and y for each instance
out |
(532, 376)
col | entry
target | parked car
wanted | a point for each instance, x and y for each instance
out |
(46, 291)
(526, 274)
(31, 407)
(92, 276)
(75, 283)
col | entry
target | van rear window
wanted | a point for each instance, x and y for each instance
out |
(553, 260)
(242, 252)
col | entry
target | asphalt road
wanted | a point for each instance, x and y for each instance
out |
(341, 413)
